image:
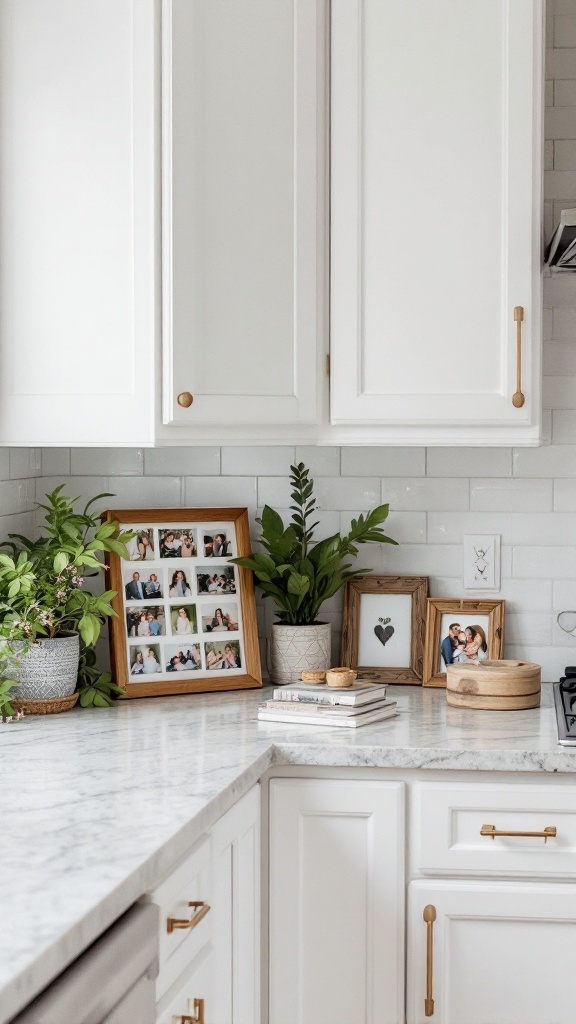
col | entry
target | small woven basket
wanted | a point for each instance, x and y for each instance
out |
(52, 706)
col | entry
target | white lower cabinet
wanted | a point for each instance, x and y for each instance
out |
(336, 901)
(498, 953)
(209, 948)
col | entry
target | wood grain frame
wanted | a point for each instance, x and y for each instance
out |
(437, 607)
(417, 587)
(252, 676)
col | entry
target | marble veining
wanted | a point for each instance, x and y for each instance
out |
(99, 804)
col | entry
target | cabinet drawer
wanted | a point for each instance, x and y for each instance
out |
(447, 823)
(189, 883)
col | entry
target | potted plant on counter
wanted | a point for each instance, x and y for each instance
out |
(300, 576)
(49, 619)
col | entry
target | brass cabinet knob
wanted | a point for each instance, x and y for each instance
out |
(185, 399)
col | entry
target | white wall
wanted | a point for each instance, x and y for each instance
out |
(526, 495)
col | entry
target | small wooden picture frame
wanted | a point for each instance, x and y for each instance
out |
(186, 615)
(383, 624)
(480, 634)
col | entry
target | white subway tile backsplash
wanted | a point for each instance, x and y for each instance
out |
(107, 461)
(564, 596)
(565, 495)
(563, 323)
(426, 494)
(466, 462)
(22, 522)
(25, 463)
(83, 487)
(526, 595)
(227, 491)
(383, 461)
(561, 121)
(528, 628)
(564, 96)
(333, 493)
(182, 461)
(16, 496)
(559, 392)
(564, 426)
(425, 560)
(564, 152)
(145, 492)
(255, 461)
(565, 30)
(450, 527)
(510, 495)
(547, 461)
(321, 460)
(560, 358)
(552, 659)
(5, 463)
(546, 563)
(562, 290)
(55, 462)
(560, 183)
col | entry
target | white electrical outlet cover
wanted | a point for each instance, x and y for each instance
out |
(482, 562)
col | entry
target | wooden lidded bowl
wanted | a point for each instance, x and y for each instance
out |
(494, 685)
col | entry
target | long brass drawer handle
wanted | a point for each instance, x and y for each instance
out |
(429, 917)
(492, 831)
(518, 398)
(173, 923)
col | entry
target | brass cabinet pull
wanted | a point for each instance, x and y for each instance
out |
(429, 917)
(492, 831)
(197, 1016)
(185, 399)
(173, 923)
(518, 398)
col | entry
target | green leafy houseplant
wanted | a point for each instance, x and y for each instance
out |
(300, 576)
(42, 592)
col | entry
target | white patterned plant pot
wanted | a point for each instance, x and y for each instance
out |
(48, 669)
(294, 649)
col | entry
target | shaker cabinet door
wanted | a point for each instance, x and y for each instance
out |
(242, 170)
(77, 222)
(490, 953)
(436, 178)
(336, 902)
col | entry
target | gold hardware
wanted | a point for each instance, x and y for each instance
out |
(492, 831)
(518, 398)
(429, 917)
(196, 1017)
(185, 399)
(173, 923)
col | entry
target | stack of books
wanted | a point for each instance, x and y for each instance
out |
(349, 708)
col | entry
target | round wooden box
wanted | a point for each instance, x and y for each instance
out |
(494, 685)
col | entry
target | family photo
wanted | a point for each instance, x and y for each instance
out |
(140, 587)
(146, 621)
(221, 620)
(184, 619)
(463, 642)
(177, 544)
(220, 581)
(216, 545)
(179, 584)
(141, 546)
(183, 659)
(221, 656)
(145, 660)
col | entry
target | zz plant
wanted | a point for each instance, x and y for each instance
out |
(298, 575)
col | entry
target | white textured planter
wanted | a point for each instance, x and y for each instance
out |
(294, 649)
(48, 669)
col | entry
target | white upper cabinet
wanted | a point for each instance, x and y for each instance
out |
(77, 221)
(241, 179)
(435, 210)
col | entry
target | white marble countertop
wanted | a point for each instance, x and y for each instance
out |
(97, 805)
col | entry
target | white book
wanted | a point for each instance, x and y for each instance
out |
(358, 693)
(341, 710)
(333, 722)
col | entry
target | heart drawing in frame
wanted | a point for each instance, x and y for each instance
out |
(383, 631)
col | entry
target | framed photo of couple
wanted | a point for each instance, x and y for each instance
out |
(460, 631)
(186, 614)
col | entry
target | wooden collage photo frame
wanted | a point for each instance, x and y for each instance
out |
(178, 589)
